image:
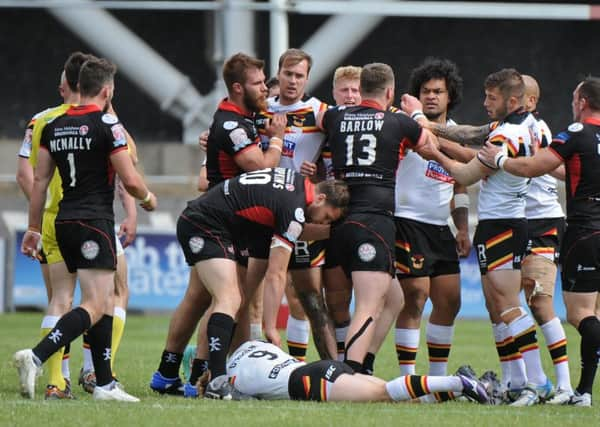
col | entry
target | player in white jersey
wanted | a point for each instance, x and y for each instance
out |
(545, 227)
(303, 142)
(264, 371)
(426, 251)
(501, 234)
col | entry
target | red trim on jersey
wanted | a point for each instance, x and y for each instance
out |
(372, 104)
(80, 110)
(258, 214)
(254, 144)
(227, 167)
(556, 153)
(574, 170)
(309, 191)
(592, 121)
(118, 150)
(227, 105)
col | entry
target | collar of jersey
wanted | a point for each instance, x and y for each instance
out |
(309, 191)
(227, 105)
(516, 116)
(592, 121)
(80, 110)
(372, 104)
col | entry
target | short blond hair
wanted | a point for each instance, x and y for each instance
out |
(347, 72)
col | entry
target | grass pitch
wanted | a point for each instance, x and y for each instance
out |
(139, 355)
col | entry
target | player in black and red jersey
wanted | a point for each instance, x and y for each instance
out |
(365, 143)
(579, 148)
(87, 146)
(279, 201)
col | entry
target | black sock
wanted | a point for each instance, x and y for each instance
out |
(169, 364)
(368, 365)
(199, 366)
(589, 328)
(67, 350)
(356, 366)
(99, 337)
(219, 331)
(68, 327)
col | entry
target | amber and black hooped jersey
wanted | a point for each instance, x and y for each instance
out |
(81, 142)
(232, 131)
(579, 148)
(275, 198)
(365, 142)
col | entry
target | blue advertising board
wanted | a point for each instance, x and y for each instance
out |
(158, 277)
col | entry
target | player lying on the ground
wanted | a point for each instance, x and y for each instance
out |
(262, 370)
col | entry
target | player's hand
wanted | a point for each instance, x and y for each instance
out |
(128, 229)
(151, 204)
(428, 150)
(410, 104)
(272, 336)
(203, 140)
(487, 155)
(31, 244)
(463, 243)
(276, 125)
(308, 168)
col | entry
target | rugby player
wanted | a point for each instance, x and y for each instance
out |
(577, 147)
(73, 143)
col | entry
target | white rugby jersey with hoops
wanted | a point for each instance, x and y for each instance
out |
(261, 370)
(502, 195)
(542, 195)
(424, 189)
(303, 140)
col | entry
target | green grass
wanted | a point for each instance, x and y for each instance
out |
(140, 353)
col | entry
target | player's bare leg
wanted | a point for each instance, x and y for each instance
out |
(338, 294)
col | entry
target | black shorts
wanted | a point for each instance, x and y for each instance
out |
(87, 244)
(313, 381)
(544, 237)
(580, 260)
(500, 244)
(424, 250)
(363, 242)
(201, 239)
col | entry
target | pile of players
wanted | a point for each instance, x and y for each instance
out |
(320, 202)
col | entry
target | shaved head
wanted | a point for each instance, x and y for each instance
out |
(532, 92)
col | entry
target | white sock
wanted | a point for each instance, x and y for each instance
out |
(340, 338)
(407, 341)
(554, 334)
(120, 313)
(88, 363)
(531, 352)
(49, 322)
(439, 339)
(255, 331)
(501, 333)
(66, 370)
(399, 389)
(298, 331)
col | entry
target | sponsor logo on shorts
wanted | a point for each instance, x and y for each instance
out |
(367, 252)
(417, 261)
(90, 249)
(196, 244)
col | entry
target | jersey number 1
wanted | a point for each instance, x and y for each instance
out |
(368, 148)
(71, 160)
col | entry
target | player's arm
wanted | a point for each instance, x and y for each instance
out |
(457, 151)
(132, 181)
(460, 216)
(274, 282)
(128, 227)
(41, 179)
(313, 231)
(542, 162)
(559, 173)
(24, 176)
(463, 134)
(253, 157)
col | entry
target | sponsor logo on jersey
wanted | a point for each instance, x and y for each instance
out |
(367, 252)
(575, 127)
(437, 172)
(90, 249)
(83, 130)
(230, 124)
(239, 138)
(109, 119)
(299, 215)
(288, 148)
(118, 133)
(379, 115)
(196, 244)
(277, 368)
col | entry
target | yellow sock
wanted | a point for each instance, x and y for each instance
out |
(117, 333)
(54, 364)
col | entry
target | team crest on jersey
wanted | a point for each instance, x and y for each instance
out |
(367, 252)
(575, 127)
(299, 215)
(437, 172)
(118, 133)
(196, 244)
(90, 249)
(293, 231)
(83, 130)
(230, 124)
(239, 138)
(290, 187)
(109, 119)
(298, 121)
(417, 261)
(379, 115)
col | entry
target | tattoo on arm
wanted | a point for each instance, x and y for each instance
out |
(321, 324)
(460, 217)
(464, 134)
